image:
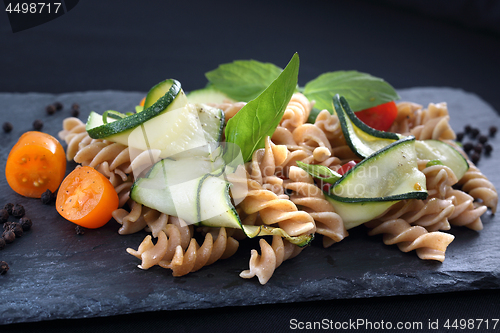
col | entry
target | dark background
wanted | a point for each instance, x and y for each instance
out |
(132, 45)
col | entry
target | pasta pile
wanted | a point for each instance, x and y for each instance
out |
(282, 195)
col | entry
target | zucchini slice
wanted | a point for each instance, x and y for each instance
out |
(362, 139)
(196, 190)
(208, 95)
(387, 176)
(443, 152)
(169, 96)
(320, 172)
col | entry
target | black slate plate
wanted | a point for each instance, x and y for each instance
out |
(56, 274)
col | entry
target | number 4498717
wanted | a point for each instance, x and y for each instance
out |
(462, 324)
(33, 8)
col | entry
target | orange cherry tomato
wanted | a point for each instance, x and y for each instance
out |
(86, 198)
(36, 163)
(142, 101)
(379, 117)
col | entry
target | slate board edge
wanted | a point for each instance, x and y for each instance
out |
(442, 282)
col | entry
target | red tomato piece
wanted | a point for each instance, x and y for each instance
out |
(379, 117)
(346, 167)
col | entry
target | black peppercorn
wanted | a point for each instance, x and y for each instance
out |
(79, 230)
(18, 210)
(47, 197)
(460, 136)
(478, 148)
(468, 147)
(6, 225)
(4, 267)
(9, 236)
(475, 158)
(50, 109)
(474, 133)
(58, 106)
(75, 106)
(483, 138)
(488, 148)
(17, 229)
(75, 113)
(37, 125)
(2, 243)
(493, 131)
(467, 129)
(25, 223)
(4, 215)
(8, 207)
(7, 127)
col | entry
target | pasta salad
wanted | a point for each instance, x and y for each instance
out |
(203, 171)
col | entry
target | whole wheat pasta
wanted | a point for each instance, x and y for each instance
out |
(277, 211)
(296, 112)
(432, 213)
(429, 123)
(438, 178)
(427, 245)
(282, 195)
(306, 195)
(465, 213)
(271, 257)
(196, 257)
(476, 184)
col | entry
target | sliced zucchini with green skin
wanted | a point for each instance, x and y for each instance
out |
(362, 139)
(170, 99)
(376, 183)
(320, 171)
(172, 132)
(443, 152)
(208, 95)
(195, 190)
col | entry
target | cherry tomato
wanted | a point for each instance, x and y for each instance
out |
(379, 117)
(86, 198)
(36, 163)
(346, 167)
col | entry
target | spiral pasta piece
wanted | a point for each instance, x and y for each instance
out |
(438, 178)
(75, 135)
(229, 109)
(432, 214)
(429, 123)
(196, 257)
(428, 245)
(477, 185)
(309, 197)
(296, 112)
(465, 213)
(274, 210)
(271, 257)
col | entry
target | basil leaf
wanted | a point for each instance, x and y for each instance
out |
(243, 80)
(362, 90)
(260, 117)
(320, 171)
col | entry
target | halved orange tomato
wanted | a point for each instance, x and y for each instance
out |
(86, 198)
(36, 163)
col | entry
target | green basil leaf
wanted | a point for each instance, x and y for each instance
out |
(362, 90)
(320, 171)
(260, 117)
(243, 80)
